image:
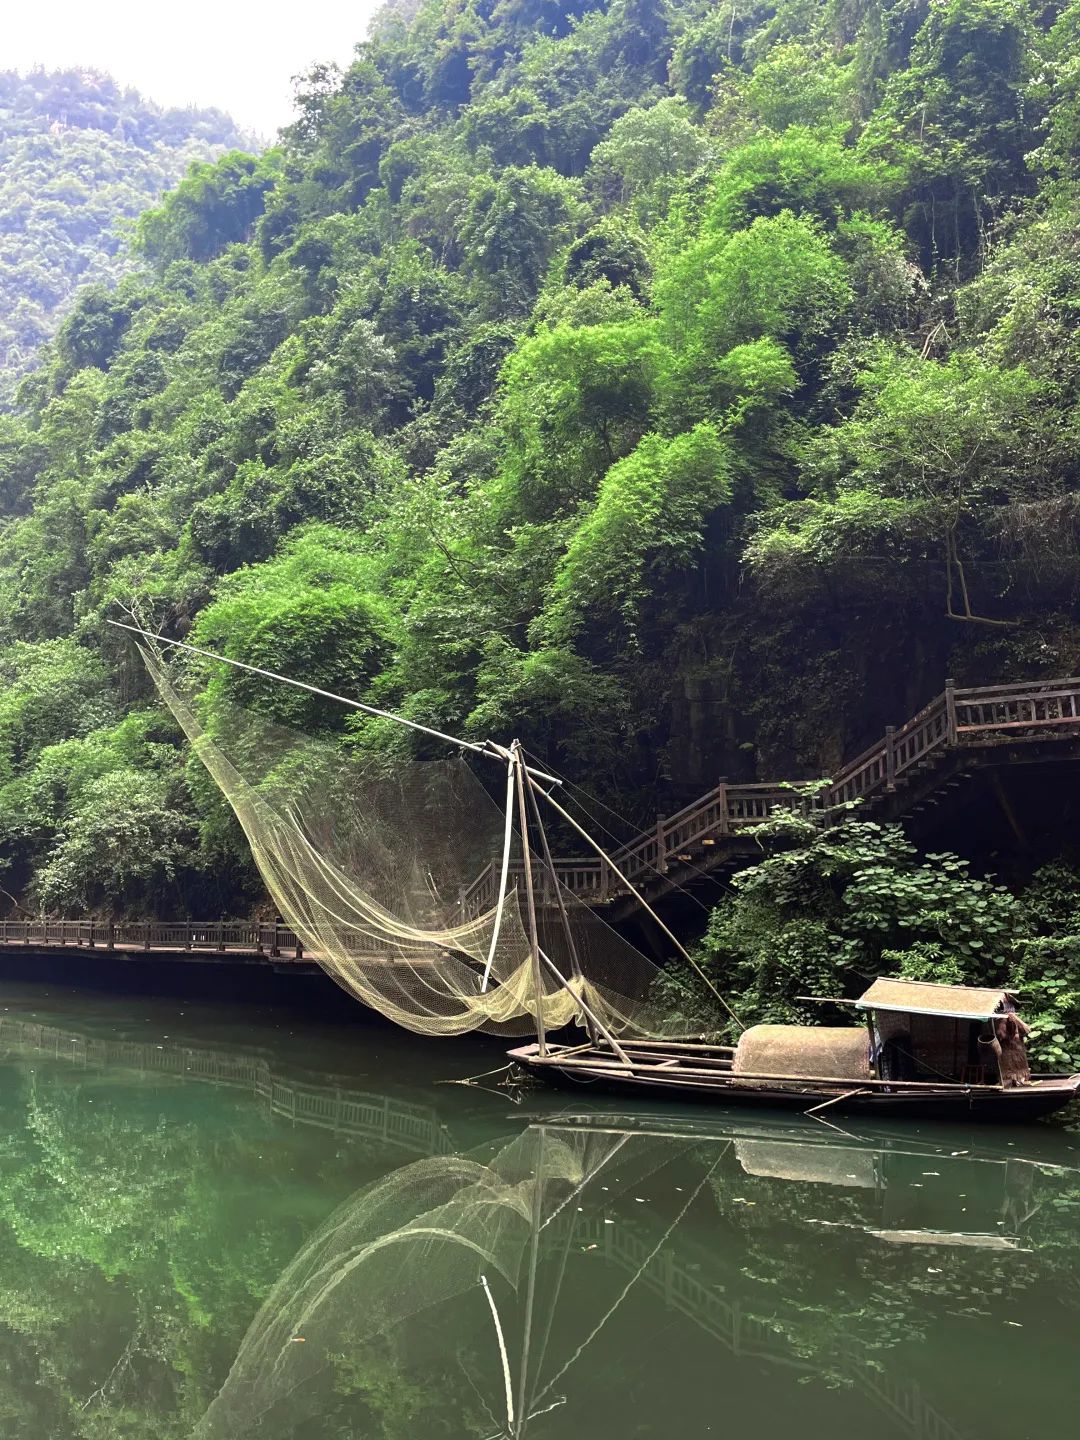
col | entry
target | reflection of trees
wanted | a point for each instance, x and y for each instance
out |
(142, 1220)
(135, 1251)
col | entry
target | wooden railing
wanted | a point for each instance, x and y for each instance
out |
(223, 937)
(983, 716)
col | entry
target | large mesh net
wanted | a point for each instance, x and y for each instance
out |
(393, 883)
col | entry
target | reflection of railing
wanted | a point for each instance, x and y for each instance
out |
(1033, 711)
(746, 1335)
(415, 1128)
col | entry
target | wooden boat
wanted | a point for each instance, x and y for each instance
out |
(941, 1050)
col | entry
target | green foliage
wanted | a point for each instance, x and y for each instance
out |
(78, 155)
(687, 391)
(828, 909)
(645, 155)
(1047, 972)
(313, 609)
(648, 520)
(52, 690)
(123, 837)
(213, 206)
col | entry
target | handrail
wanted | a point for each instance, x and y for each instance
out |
(1071, 682)
(945, 722)
(247, 937)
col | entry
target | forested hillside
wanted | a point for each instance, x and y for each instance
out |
(687, 388)
(78, 156)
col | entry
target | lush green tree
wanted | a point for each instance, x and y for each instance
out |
(645, 155)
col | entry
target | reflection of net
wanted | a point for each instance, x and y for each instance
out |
(371, 872)
(407, 1244)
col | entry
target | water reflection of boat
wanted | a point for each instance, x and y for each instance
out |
(523, 1267)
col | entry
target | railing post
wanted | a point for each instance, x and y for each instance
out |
(722, 806)
(950, 711)
(890, 757)
(275, 939)
(661, 845)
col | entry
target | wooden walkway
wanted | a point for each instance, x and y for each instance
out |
(956, 726)
(239, 942)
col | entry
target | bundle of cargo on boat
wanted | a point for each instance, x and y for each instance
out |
(841, 1051)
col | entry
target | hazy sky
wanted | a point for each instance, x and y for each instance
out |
(236, 54)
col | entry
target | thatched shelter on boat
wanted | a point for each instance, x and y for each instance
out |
(914, 1031)
(945, 1032)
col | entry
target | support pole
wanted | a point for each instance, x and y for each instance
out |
(504, 871)
(950, 711)
(890, 757)
(593, 1019)
(530, 896)
(575, 963)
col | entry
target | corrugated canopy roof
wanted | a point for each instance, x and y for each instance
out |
(917, 997)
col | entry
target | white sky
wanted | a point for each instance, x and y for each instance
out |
(239, 55)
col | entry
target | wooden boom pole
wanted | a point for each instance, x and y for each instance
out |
(530, 895)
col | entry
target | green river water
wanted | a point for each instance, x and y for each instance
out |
(223, 1221)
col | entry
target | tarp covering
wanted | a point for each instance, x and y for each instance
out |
(840, 1051)
(916, 997)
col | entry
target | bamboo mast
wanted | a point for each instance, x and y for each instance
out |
(534, 934)
(575, 962)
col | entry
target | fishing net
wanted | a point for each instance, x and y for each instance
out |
(392, 883)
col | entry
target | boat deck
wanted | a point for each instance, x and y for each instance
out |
(696, 1070)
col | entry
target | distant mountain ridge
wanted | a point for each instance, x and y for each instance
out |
(79, 153)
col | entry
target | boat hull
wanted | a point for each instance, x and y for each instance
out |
(953, 1101)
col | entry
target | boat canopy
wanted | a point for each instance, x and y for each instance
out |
(918, 997)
